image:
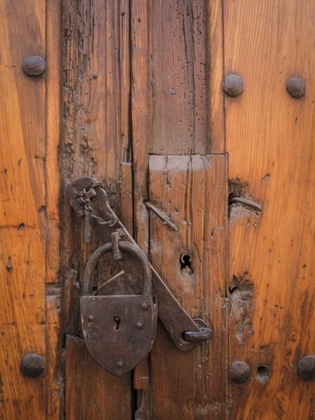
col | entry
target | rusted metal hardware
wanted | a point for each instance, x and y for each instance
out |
(239, 372)
(296, 87)
(204, 334)
(306, 368)
(119, 330)
(34, 65)
(165, 219)
(32, 365)
(175, 319)
(246, 202)
(233, 85)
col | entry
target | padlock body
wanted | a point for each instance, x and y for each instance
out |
(119, 330)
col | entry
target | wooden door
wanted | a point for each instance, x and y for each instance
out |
(139, 95)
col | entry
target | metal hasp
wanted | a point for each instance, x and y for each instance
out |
(118, 331)
(89, 200)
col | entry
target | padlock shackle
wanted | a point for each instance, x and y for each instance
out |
(124, 247)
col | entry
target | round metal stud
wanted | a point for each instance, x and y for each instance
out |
(90, 318)
(139, 325)
(233, 85)
(120, 364)
(296, 87)
(32, 365)
(239, 372)
(34, 65)
(144, 306)
(306, 368)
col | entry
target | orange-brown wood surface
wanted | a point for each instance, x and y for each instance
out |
(29, 221)
(144, 113)
(192, 191)
(169, 116)
(96, 142)
(270, 141)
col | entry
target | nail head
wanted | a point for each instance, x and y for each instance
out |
(34, 65)
(32, 365)
(239, 372)
(120, 364)
(233, 85)
(306, 368)
(296, 87)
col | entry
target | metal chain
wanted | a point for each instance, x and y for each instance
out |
(89, 210)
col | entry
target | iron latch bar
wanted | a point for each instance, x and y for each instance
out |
(184, 331)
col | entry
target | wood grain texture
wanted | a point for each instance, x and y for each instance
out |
(192, 191)
(54, 385)
(96, 100)
(271, 149)
(22, 189)
(178, 77)
(215, 66)
(96, 138)
(140, 116)
(140, 113)
(100, 401)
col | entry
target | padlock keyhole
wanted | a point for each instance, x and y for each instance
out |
(117, 321)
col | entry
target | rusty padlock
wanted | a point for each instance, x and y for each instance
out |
(118, 330)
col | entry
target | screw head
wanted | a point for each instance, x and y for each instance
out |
(306, 368)
(34, 65)
(144, 306)
(90, 318)
(139, 325)
(32, 365)
(239, 372)
(296, 87)
(120, 364)
(233, 85)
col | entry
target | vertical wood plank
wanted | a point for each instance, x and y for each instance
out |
(215, 61)
(100, 401)
(178, 77)
(54, 385)
(192, 191)
(96, 113)
(140, 111)
(140, 116)
(22, 189)
(271, 149)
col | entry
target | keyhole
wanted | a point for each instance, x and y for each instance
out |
(117, 321)
(185, 264)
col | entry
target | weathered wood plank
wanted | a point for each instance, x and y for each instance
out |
(87, 381)
(140, 112)
(54, 386)
(271, 149)
(178, 86)
(22, 190)
(192, 191)
(140, 116)
(96, 113)
(215, 59)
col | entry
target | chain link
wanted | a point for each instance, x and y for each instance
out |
(89, 210)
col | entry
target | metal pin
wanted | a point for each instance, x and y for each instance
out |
(87, 228)
(166, 220)
(243, 200)
(117, 255)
